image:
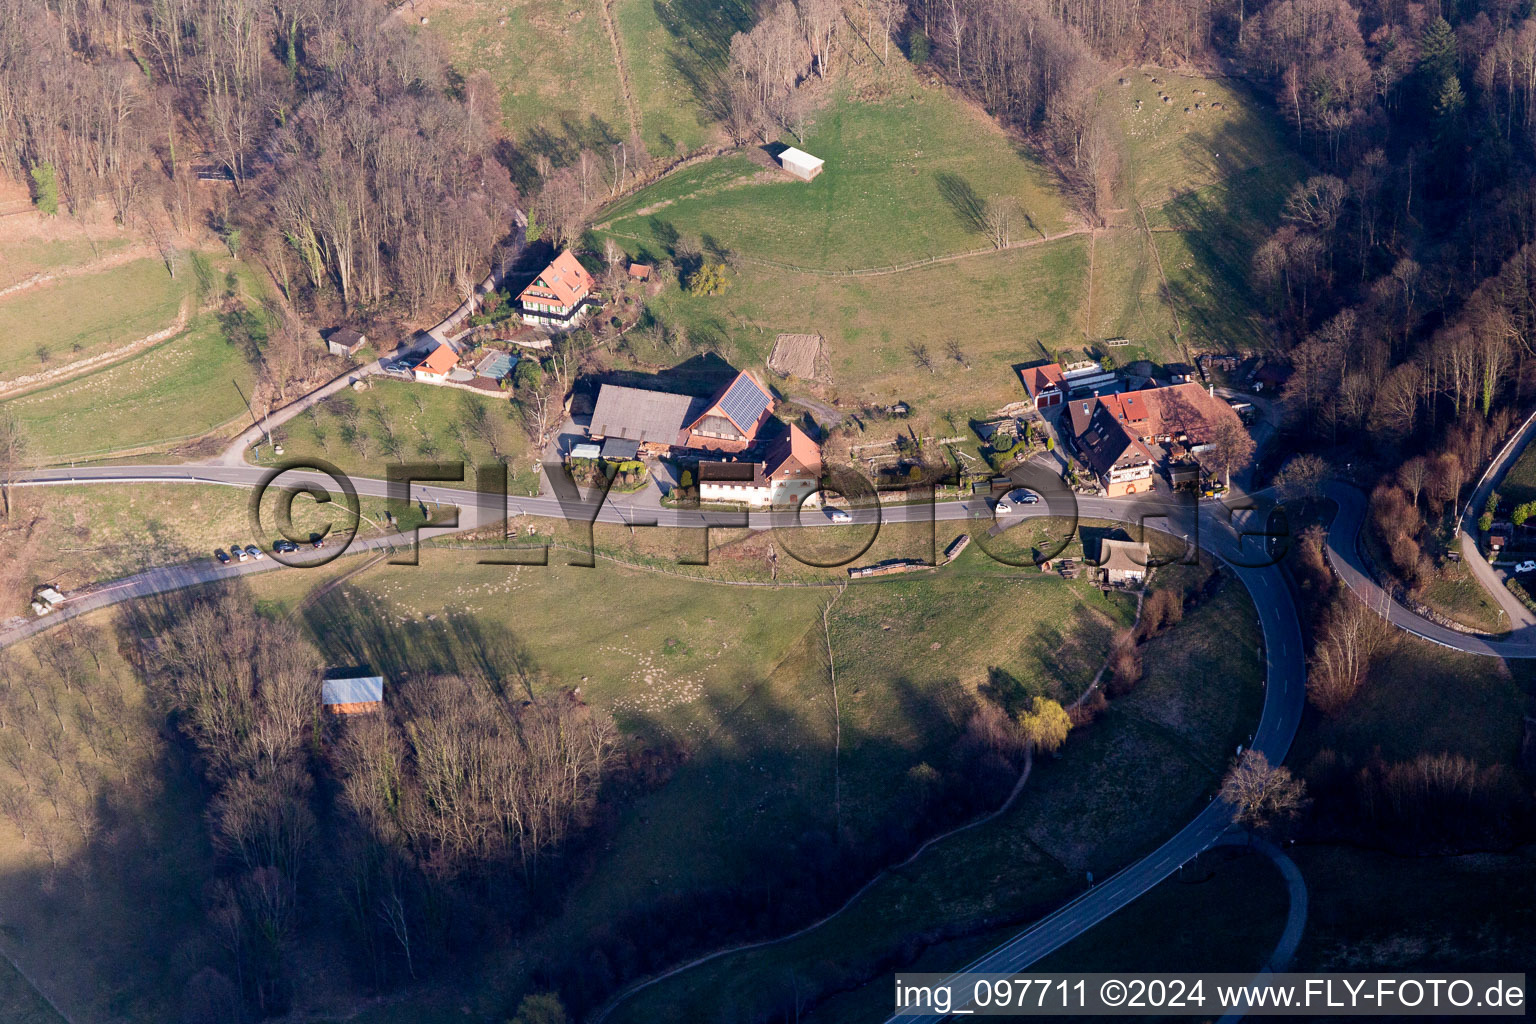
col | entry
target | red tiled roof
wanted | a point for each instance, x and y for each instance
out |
(440, 360)
(1037, 378)
(565, 282)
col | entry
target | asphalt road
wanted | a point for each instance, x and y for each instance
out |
(1344, 556)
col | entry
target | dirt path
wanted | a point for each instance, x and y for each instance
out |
(33, 381)
(116, 259)
(622, 65)
(897, 268)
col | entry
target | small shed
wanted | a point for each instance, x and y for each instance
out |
(640, 271)
(800, 163)
(586, 451)
(357, 696)
(344, 341)
(620, 449)
(1123, 561)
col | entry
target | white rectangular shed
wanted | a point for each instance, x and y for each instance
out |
(800, 163)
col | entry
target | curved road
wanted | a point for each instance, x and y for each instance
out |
(1344, 556)
(1212, 526)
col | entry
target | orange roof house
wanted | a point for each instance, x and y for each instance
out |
(789, 474)
(558, 296)
(731, 421)
(438, 363)
(1045, 384)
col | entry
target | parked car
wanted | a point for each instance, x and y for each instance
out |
(1526, 567)
(254, 552)
(284, 547)
(1025, 497)
(221, 556)
(1003, 508)
(239, 553)
(837, 515)
(316, 540)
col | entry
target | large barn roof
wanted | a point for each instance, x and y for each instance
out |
(639, 415)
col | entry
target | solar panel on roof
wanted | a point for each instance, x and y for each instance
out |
(744, 402)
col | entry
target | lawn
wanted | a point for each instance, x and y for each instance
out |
(1118, 788)
(180, 389)
(1168, 152)
(1423, 697)
(1020, 306)
(675, 49)
(23, 258)
(78, 317)
(396, 422)
(904, 180)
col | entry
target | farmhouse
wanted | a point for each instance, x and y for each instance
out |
(1045, 385)
(789, 474)
(1123, 562)
(558, 296)
(731, 421)
(344, 341)
(1115, 434)
(352, 696)
(439, 363)
(800, 163)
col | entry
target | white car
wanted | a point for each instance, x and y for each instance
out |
(1003, 508)
(1526, 567)
(837, 515)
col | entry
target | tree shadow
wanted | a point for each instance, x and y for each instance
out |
(968, 207)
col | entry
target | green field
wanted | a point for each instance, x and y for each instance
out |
(176, 391)
(82, 316)
(21, 259)
(904, 181)
(353, 431)
(1120, 787)
(555, 68)
(552, 63)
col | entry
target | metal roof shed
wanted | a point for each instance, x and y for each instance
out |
(617, 448)
(800, 163)
(352, 696)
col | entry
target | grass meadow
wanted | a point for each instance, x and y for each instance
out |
(78, 317)
(25, 257)
(1118, 788)
(179, 390)
(396, 422)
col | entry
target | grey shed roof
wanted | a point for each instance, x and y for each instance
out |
(619, 448)
(639, 415)
(364, 690)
